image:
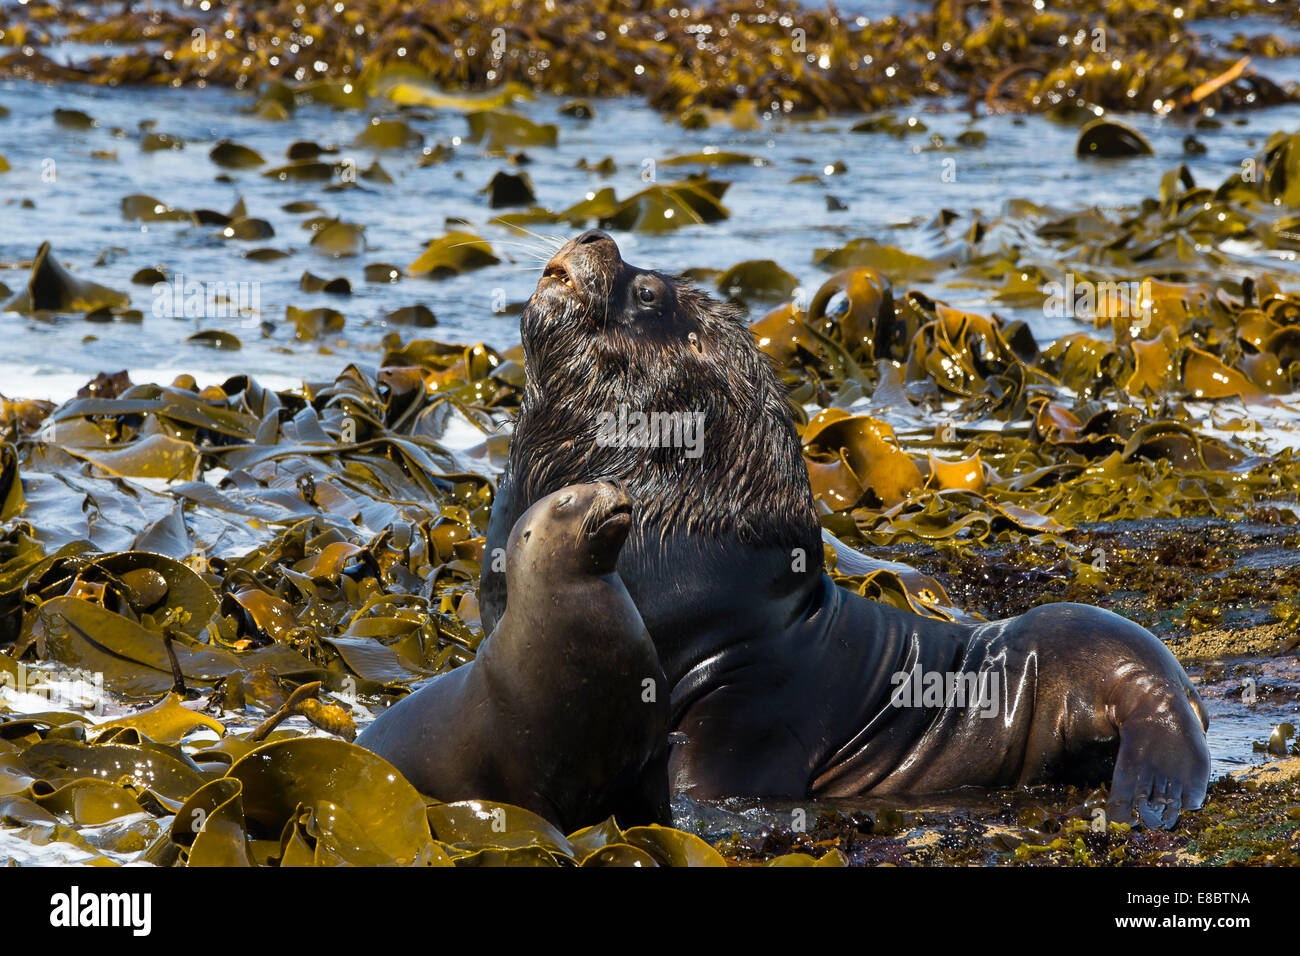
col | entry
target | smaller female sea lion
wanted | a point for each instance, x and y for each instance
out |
(565, 710)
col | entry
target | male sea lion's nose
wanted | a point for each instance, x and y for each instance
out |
(593, 242)
(582, 256)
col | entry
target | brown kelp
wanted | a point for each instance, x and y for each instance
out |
(775, 55)
(240, 551)
(361, 581)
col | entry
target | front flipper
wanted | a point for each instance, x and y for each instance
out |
(1108, 685)
(1163, 766)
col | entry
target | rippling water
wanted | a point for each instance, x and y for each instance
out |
(891, 187)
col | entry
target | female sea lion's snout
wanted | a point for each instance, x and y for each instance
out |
(600, 512)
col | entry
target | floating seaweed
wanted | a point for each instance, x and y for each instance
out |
(721, 56)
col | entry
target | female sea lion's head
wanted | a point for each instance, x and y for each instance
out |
(579, 529)
(638, 375)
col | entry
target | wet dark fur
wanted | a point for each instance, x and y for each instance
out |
(580, 362)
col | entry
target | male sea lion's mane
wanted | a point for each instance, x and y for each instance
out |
(749, 481)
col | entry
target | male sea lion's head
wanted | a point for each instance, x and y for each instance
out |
(589, 294)
(579, 529)
(610, 347)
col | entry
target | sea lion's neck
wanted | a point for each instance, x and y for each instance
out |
(700, 597)
(706, 452)
(556, 626)
(725, 531)
(740, 512)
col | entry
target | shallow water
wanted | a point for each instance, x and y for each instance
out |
(892, 188)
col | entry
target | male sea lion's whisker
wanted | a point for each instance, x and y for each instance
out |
(542, 255)
(550, 241)
(605, 295)
(518, 228)
(542, 252)
(468, 242)
(512, 241)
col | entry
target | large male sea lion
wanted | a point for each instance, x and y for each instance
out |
(785, 684)
(564, 711)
